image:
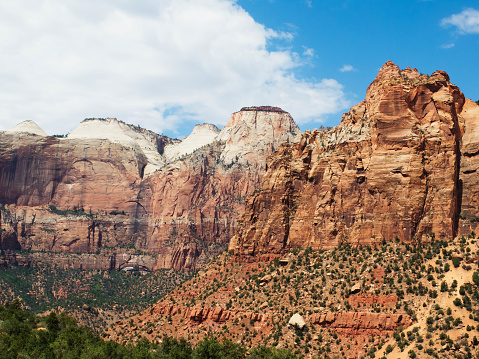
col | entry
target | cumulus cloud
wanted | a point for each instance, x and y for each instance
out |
(466, 22)
(153, 63)
(347, 68)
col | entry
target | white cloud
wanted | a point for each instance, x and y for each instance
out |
(309, 52)
(153, 63)
(347, 68)
(447, 46)
(466, 22)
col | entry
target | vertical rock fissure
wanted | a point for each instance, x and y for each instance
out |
(415, 235)
(457, 190)
(56, 169)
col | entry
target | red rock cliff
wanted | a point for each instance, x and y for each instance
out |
(88, 193)
(390, 169)
(194, 203)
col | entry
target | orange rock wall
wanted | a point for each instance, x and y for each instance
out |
(391, 169)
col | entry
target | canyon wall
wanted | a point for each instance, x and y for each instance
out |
(117, 190)
(400, 165)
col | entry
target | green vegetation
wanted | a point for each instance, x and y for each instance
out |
(117, 293)
(390, 277)
(76, 211)
(24, 335)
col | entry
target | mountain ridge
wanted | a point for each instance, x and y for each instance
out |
(102, 181)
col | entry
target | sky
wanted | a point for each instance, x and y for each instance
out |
(168, 64)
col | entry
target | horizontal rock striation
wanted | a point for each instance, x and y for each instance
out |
(199, 315)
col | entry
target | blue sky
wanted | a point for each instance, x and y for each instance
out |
(360, 36)
(167, 65)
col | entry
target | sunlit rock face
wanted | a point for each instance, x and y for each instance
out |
(400, 165)
(195, 202)
(112, 189)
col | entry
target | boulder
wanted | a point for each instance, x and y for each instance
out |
(297, 321)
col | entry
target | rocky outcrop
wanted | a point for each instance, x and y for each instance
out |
(253, 133)
(202, 135)
(29, 127)
(391, 169)
(110, 188)
(360, 322)
(184, 320)
(199, 315)
(133, 138)
(297, 321)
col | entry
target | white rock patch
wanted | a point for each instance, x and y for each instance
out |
(127, 135)
(201, 135)
(28, 127)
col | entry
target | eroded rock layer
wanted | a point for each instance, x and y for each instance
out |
(126, 196)
(400, 165)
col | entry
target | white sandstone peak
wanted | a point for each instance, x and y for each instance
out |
(127, 135)
(201, 135)
(105, 129)
(27, 126)
(256, 130)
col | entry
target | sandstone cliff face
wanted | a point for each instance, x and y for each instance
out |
(391, 169)
(469, 175)
(110, 188)
(194, 202)
(68, 195)
(134, 138)
(253, 133)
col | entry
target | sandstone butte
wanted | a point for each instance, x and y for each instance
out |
(401, 165)
(112, 195)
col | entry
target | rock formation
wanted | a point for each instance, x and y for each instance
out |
(396, 169)
(400, 165)
(469, 175)
(135, 138)
(197, 200)
(355, 322)
(115, 189)
(202, 135)
(29, 127)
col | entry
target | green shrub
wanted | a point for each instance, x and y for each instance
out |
(475, 278)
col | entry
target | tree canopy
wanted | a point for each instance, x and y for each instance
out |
(24, 335)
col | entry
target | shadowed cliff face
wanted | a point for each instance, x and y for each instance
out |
(393, 168)
(469, 176)
(93, 195)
